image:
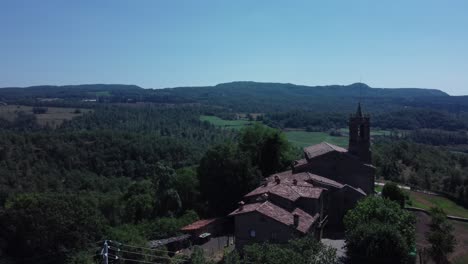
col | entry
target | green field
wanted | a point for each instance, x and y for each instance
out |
(379, 132)
(426, 201)
(229, 124)
(304, 138)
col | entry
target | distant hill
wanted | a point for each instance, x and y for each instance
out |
(356, 89)
(288, 89)
(254, 96)
(271, 97)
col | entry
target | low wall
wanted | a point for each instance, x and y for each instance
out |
(451, 217)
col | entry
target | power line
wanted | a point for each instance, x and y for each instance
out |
(148, 255)
(139, 261)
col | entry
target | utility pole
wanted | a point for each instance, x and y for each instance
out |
(106, 252)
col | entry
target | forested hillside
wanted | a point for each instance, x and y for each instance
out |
(115, 165)
(423, 167)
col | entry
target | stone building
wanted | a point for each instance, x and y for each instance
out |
(314, 195)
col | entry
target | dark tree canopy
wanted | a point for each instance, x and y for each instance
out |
(440, 236)
(392, 192)
(379, 231)
(226, 174)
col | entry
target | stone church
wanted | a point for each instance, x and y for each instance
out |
(313, 195)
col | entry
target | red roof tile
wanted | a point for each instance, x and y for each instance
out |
(324, 180)
(279, 214)
(198, 224)
(305, 177)
(288, 190)
(320, 149)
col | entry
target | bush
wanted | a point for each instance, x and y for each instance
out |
(392, 192)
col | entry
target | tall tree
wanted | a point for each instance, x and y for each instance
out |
(267, 148)
(440, 236)
(378, 231)
(226, 174)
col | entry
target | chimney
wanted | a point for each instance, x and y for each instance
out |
(296, 220)
(277, 179)
(241, 205)
(294, 181)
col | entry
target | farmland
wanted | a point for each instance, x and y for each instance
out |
(53, 117)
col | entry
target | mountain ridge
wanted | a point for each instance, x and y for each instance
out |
(234, 84)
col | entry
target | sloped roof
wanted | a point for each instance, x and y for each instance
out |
(198, 224)
(288, 190)
(324, 180)
(279, 214)
(306, 177)
(322, 148)
(288, 176)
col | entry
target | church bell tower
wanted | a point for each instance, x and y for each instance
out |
(359, 136)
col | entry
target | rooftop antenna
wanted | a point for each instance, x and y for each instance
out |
(360, 89)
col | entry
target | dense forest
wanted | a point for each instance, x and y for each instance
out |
(423, 167)
(131, 173)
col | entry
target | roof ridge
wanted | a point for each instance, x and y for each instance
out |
(332, 145)
(261, 205)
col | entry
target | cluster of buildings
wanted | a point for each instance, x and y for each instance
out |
(310, 198)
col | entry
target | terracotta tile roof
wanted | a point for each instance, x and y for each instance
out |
(324, 180)
(288, 190)
(279, 214)
(320, 149)
(288, 176)
(198, 224)
(306, 177)
(305, 220)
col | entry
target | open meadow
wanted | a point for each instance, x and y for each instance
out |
(53, 117)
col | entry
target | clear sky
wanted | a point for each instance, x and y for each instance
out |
(158, 44)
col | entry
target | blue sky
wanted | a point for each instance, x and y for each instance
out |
(158, 44)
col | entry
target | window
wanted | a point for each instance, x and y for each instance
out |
(252, 233)
(262, 219)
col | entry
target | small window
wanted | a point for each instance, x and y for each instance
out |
(262, 219)
(252, 233)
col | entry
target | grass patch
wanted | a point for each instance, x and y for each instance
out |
(229, 124)
(304, 138)
(378, 132)
(378, 188)
(426, 201)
